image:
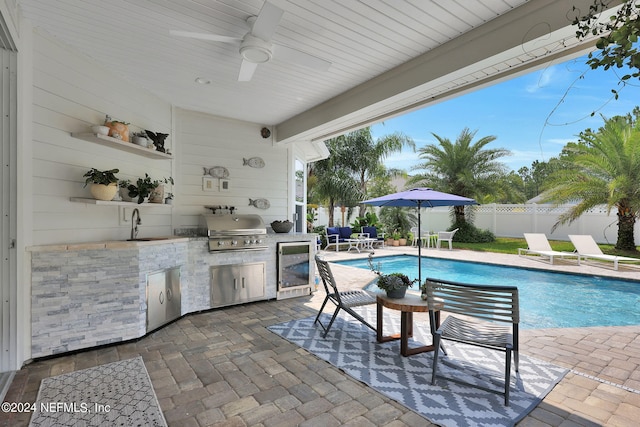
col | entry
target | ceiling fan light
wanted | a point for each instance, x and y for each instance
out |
(254, 49)
(255, 54)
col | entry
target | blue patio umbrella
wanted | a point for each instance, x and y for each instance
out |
(420, 198)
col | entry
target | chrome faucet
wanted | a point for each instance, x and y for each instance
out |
(135, 224)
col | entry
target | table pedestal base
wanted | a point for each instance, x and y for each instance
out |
(406, 331)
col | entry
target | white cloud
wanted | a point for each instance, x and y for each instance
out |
(542, 79)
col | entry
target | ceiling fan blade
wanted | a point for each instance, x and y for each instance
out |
(267, 21)
(205, 36)
(301, 58)
(246, 71)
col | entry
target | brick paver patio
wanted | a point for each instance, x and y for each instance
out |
(223, 367)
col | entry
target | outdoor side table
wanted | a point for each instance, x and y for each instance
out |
(360, 244)
(429, 240)
(407, 306)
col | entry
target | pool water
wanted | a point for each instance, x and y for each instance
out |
(547, 299)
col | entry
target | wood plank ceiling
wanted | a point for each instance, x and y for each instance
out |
(365, 41)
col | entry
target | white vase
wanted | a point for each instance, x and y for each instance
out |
(124, 195)
(141, 141)
(100, 130)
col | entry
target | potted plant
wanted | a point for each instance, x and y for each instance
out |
(124, 190)
(142, 189)
(389, 239)
(103, 183)
(403, 239)
(394, 284)
(117, 129)
(169, 199)
(410, 237)
(157, 195)
(396, 238)
(140, 138)
(396, 219)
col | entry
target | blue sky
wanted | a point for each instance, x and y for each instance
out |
(528, 114)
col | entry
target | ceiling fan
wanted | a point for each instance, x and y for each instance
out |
(256, 47)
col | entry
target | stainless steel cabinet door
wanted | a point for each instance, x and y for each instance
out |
(156, 299)
(174, 300)
(236, 283)
(163, 297)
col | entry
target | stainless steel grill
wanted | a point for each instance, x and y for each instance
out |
(234, 232)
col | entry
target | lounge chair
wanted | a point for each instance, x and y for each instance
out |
(587, 248)
(344, 300)
(446, 236)
(539, 245)
(489, 318)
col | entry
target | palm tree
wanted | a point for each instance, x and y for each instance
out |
(331, 183)
(366, 155)
(603, 167)
(355, 160)
(462, 167)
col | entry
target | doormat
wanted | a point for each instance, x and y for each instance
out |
(352, 347)
(118, 393)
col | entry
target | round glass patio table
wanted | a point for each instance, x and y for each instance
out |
(407, 306)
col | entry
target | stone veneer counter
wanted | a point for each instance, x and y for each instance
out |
(89, 294)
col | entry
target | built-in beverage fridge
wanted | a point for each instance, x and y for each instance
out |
(296, 269)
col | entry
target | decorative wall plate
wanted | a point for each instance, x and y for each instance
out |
(254, 162)
(219, 172)
(260, 203)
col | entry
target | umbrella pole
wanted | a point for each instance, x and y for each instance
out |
(423, 292)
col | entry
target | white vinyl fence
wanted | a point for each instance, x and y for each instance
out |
(514, 220)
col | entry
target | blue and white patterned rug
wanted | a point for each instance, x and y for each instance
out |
(352, 347)
(114, 394)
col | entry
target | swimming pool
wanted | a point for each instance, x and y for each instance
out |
(547, 299)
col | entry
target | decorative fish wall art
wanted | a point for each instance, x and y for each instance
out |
(217, 172)
(254, 162)
(259, 203)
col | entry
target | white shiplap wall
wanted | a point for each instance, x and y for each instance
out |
(70, 93)
(208, 141)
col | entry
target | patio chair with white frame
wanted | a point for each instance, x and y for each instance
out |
(446, 236)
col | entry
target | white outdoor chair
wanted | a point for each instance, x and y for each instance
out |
(539, 245)
(587, 248)
(446, 236)
(414, 233)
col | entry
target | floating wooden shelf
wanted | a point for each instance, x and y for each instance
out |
(118, 203)
(120, 145)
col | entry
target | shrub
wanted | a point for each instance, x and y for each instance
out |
(469, 233)
(320, 230)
